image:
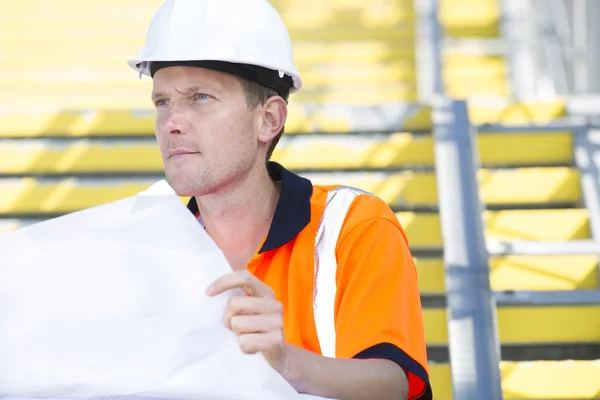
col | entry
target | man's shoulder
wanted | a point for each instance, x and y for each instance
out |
(359, 205)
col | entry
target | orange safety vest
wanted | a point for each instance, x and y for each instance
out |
(338, 260)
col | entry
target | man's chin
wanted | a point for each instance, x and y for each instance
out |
(180, 185)
(183, 185)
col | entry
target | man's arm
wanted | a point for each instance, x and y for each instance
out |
(378, 311)
(257, 321)
(344, 379)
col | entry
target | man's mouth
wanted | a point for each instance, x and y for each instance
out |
(180, 153)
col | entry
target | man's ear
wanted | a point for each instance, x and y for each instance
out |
(273, 115)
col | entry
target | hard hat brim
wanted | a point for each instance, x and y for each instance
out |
(144, 67)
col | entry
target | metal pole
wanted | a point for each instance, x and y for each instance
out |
(593, 41)
(473, 337)
(517, 28)
(436, 35)
(579, 24)
(428, 45)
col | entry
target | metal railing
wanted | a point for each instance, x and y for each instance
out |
(429, 52)
(474, 345)
(471, 303)
(562, 39)
(472, 334)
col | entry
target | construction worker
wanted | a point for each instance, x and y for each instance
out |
(332, 299)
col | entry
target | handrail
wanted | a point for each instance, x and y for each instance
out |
(472, 322)
(587, 161)
(548, 298)
(538, 248)
(429, 52)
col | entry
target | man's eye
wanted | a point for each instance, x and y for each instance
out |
(201, 96)
(162, 102)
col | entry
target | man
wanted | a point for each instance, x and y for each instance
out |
(332, 299)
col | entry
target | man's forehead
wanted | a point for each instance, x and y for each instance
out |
(188, 77)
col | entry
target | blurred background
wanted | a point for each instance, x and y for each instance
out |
(476, 120)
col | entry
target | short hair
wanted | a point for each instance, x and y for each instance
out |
(257, 95)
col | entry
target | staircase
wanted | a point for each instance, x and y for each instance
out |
(76, 130)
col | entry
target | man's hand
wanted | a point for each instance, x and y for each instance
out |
(256, 319)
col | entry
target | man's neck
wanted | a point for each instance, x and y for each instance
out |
(239, 216)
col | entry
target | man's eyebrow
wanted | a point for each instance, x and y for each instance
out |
(158, 95)
(190, 90)
(212, 87)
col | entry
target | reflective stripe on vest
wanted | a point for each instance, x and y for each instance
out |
(338, 202)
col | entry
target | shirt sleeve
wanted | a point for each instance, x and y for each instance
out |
(378, 307)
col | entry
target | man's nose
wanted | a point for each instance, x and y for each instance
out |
(175, 121)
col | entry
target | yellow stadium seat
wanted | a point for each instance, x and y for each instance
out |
(86, 24)
(327, 14)
(567, 224)
(360, 93)
(423, 229)
(517, 112)
(569, 272)
(365, 72)
(302, 118)
(345, 5)
(418, 120)
(133, 94)
(80, 64)
(402, 189)
(470, 18)
(125, 123)
(326, 122)
(404, 149)
(518, 186)
(79, 123)
(115, 72)
(468, 75)
(552, 380)
(297, 119)
(465, 88)
(300, 152)
(28, 195)
(105, 57)
(404, 31)
(126, 95)
(528, 324)
(131, 9)
(430, 272)
(90, 26)
(351, 51)
(477, 63)
(138, 123)
(79, 157)
(530, 148)
(530, 186)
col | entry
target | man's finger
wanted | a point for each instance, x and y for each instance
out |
(243, 280)
(245, 324)
(248, 305)
(251, 343)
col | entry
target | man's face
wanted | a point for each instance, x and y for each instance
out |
(204, 129)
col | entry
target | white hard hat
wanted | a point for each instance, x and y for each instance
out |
(216, 33)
